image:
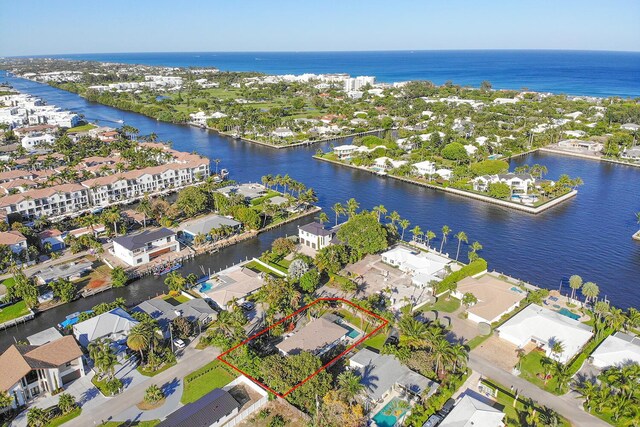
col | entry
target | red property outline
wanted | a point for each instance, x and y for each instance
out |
(385, 322)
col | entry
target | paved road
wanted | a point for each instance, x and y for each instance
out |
(566, 405)
(121, 404)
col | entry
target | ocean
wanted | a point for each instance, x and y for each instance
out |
(591, 73)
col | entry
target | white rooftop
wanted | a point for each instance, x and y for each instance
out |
(470, 412)
(618, 349)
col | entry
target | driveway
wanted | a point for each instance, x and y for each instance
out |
(567, 405)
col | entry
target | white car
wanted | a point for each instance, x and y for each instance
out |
(178, 343)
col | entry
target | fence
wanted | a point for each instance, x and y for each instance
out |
(254, 407)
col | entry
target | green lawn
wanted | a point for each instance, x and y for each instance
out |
(13, 311)
(204, 380)
(505, 399)
(58, 421)
(376, 341)
(261, 268)
(101, 385)
(476, 341)
(532, 366)
(443, 304)
(82, 128)
(179, 299)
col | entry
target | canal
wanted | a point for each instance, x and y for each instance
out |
(589, 235)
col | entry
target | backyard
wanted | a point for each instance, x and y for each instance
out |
(211, 376)
(13, 311)
(533, 368)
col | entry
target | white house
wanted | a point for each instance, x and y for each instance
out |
(592, 146)
(545, 327)
(141, 248)
(425, 168)
(317, 337)
(315, 236)
(27, 371)
(15, 240)
(470, 149)
(444, 173)
(631, 153)
(423, 267)
(31, 142)
(470, 412)
(618, 349)
(114, 325)
(519, 183)
(345, 151)
(386, 163)
(283, 133)
(495, 297)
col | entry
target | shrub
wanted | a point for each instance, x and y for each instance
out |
(450, 282)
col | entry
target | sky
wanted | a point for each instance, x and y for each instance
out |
(41, 27)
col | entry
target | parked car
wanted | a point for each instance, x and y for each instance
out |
(448, 406)
(433, 421)
(178, 343)
(247, 306)
(393, 338)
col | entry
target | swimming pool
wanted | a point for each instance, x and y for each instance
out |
(353, 333)
(206, 286)
(568, 313)
(383, 420)
(516, 289)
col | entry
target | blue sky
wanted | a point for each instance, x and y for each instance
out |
(31, 27)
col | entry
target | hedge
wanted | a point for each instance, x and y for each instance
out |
(471, 269)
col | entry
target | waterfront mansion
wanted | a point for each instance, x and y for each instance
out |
(178, 170)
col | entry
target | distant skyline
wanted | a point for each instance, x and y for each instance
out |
(43, 27)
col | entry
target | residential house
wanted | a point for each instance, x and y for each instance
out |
(619, 349)
(444, 173)
(196, 311)
(15, 240)
(33, 141)
(53, 238)
(283, 133)
(234, 284)
(27, 371)
(544, 327)
(344, 152)
(630, 126)
(383, 373)
(212, 410)
(204, 226)
(315, 236)
(495, 297)
(632, 153)
(470, 412)
(249, 191)
(114, 325)
(519, 183)
(386, 163)
(425, 168)
(141, 248)
(68, 271)
(318, 336)
(423, 267)
(591, 146)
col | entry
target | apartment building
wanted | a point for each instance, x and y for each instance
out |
(51, 201)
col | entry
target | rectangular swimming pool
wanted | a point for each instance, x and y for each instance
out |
(394, 410)
(353, 333)
(568, 313)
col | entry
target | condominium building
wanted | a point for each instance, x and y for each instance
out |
(51, 201)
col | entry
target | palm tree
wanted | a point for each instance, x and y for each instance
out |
(442, 353)
(139, 339)
(562, 374)
(445, 232)
(404, 223)
(475, 247)
(349, 386)
(588, 391)
(352, 207)
(416, 232)
(462, 237)
(590, 291)
(615, 318)
(394, 217)
(153, 394)
(339, 210)
(144, 207)
(112, 216)
(106, 362)
(575, 283)
(557, 348)
(381, 210)
(37, 417)
(217, 162)
(429, 235)
(322, 218)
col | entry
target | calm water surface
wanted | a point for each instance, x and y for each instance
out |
(589, 235)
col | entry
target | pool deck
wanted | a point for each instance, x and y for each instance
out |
(393, 395)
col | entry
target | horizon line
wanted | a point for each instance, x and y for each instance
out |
(329, 51)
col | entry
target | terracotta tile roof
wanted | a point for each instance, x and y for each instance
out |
(53, 232)
(15, 174)
(19, 360)
(11, 237)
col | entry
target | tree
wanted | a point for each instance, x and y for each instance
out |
(461, 237)
(192, 201)
(297, 269)
(144, 207)
(469, 299)
(429, 235)
(590, 291)
(281, 247)
(23, 288)
(5, 400)
(473, 254)
(103, 357)
(310, 280)
(445, 232)
(181, 327)
(364, 234)
(139, 338)
(349, 386)
(66, 403)
(575, 283)
(485, 86)
(119, 277)
(499, 190)
(455, 151)
(489, 167)
(381, 210)
(322, 218)
(404, 224)
(153, 394)
(63, 289)
(338, 209)
(417, 233)
(352, 207)
(331, 258)
(37, 417)
(175, 282)
(557, 348)
(562, 374)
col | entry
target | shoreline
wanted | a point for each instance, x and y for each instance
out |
(523, 208)
(553, 150)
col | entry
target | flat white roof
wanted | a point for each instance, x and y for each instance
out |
(618, 349)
